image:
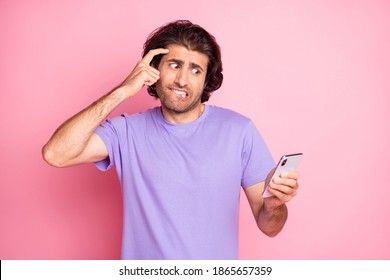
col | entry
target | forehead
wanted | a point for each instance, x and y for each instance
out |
(187, 56)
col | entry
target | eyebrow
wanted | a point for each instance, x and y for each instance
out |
(181, 62)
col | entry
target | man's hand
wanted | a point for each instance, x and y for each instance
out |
(272, 214)
(75, 141)
(142, 74)
(284, 188)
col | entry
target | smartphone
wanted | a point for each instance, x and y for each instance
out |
(286, 163)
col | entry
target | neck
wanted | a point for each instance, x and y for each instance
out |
(182, 117)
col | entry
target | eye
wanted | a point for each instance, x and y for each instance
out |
(174, 65)
(195, 71)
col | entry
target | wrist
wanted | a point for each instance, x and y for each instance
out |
(271, 204)
(122, 92)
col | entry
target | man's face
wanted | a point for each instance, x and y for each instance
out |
(182, 79)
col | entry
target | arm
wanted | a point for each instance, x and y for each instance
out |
(271, 213)
(75, 142)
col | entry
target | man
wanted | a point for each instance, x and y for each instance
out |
(181, 165)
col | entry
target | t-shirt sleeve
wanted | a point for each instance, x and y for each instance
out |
(109, 132)
(257, 160)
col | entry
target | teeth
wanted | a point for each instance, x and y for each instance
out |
(181, 93)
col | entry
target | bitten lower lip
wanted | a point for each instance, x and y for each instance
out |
(179, 92)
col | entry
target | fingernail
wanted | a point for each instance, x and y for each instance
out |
(277, 180)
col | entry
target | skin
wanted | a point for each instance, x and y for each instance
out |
(181, 71)
(271, 213)
(180, 79)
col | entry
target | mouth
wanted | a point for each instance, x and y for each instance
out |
(178, 92)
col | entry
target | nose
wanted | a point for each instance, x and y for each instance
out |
(182, 77)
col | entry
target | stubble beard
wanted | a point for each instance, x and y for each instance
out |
(174, 105)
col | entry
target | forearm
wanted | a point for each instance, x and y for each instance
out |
(70, 139)
(73, 141)
(271, 220)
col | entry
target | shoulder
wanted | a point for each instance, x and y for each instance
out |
(228, 116)
(133, 119)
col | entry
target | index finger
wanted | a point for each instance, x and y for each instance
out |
(290, 175)
(152, 53)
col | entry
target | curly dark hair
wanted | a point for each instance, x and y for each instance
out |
(195, 38)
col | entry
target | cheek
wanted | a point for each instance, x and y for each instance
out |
(166, 77)
(200, 84)
(159, 87)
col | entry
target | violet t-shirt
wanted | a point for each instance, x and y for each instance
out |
(181, 182)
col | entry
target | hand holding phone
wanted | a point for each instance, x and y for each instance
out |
(287, 163)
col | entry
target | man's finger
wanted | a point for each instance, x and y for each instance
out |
(152, 53)
(290, 175)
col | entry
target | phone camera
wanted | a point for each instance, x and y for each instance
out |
(284, 162)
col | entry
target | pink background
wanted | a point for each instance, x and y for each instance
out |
(313, 76)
